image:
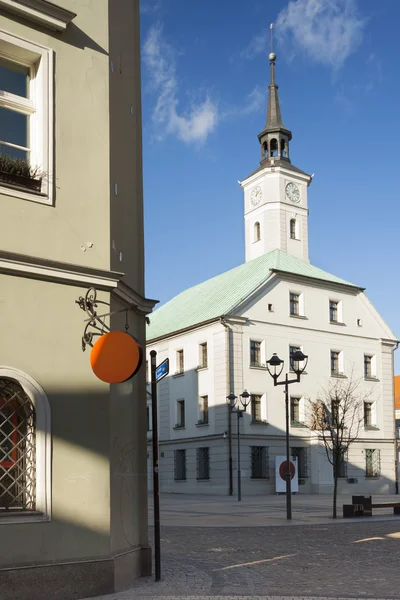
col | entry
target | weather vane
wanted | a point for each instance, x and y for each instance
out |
(271, 28)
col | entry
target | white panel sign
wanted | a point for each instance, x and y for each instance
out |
(280, 471)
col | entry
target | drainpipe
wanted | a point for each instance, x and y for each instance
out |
(228, 391)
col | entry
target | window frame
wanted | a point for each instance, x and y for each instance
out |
(340, 363)
(203, 355)
(180, 362)
(257, 232)
(183, 465)
(377, 474)
(37, 396)
(40, 60)
(180, 412)
(264, 462)
(254, 351)
(203, 410)
(206, 463)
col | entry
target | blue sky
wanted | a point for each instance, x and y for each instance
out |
(205, 76)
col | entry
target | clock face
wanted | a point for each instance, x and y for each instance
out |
(256, 195)
(292, 192)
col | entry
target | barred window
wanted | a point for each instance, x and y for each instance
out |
(180, 465)
(302, 465)
(17, 448)
(259, 462)
(372, 463)
(203, 463)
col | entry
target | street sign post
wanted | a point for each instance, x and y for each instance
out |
(162, 370)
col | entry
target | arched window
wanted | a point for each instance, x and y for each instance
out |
(257, 232)
(274, 147)
(265, 150)
(25, 448)
(292, 229)
(283, 149)
(17, 448)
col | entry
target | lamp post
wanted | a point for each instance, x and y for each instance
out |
(244, 400)
(275, 368)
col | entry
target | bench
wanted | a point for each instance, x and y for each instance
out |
(362, 507)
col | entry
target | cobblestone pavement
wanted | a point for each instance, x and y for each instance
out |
(341, 560)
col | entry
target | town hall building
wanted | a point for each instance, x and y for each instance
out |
(219, 334)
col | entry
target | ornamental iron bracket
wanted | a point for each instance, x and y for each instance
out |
(89, 303)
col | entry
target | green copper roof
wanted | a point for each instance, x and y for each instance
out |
(222, 294)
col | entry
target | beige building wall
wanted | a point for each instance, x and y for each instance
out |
(91, 537)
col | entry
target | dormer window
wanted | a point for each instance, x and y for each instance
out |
(257, 232)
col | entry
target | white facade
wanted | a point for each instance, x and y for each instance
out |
(228, 345)
(292, 304)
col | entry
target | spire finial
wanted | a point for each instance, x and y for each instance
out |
(272, 55)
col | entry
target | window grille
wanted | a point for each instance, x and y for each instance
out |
(180, 465)
(302, 461)
(294, 304)
(333, 311)
(259, 462)
(255, 353)
(17, 448)
(372, 463)
(256, 408)
(203, 463)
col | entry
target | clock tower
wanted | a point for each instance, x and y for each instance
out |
(275, 195)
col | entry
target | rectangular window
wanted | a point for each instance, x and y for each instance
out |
(336, 362)
(203, 410)
(367, 414)
(372, 463)
(294, 410)
(368, 371)
(25, 119)
(302, 466)
(259, 462)
(255, 354)
(293, 364)
(333, 311)
(180, 413)
(180, 465)
(256, 408)
(203, 357)
(180, 362)
(294, 304)
(203, 463)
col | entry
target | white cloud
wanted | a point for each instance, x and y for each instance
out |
(255, 101)
(150, 6)
(328, 31)
(199, 120)
(257, 46)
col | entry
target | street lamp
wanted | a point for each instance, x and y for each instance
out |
(275, 368)
(244, 400)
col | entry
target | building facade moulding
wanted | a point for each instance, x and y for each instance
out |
(45, 13)
(68, 274)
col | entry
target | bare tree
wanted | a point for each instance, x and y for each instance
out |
(336, 417)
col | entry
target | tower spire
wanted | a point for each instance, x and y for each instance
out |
(274, 138)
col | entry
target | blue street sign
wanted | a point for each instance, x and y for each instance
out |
(162, 369)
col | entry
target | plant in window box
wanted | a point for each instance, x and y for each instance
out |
(17, 171)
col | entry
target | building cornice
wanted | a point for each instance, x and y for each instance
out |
(42, 269)
(45, 13)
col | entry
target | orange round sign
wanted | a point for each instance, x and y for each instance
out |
(116, 357)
